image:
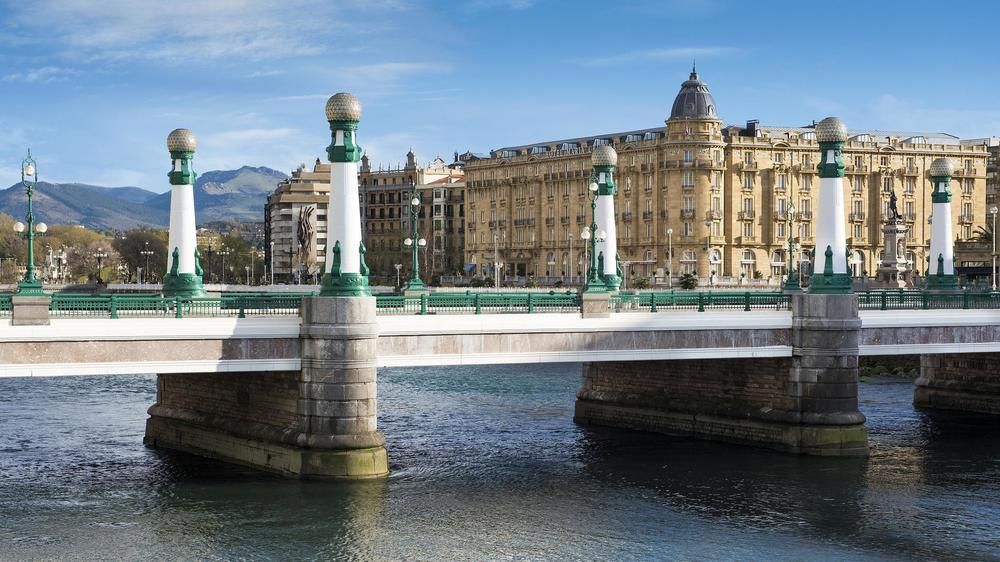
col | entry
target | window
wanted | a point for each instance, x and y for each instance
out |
(887, 184)
(859, 184)
(716, 203)
(806, 161)
(689, 261)
(748, 230)
(884, 161)
(687, 203)
(967, 186)
(747, 180)
(806, 182)
(687, 229)
(782, 180)
(748, 204)
(748, 157)
(856, 230)
(689, 156)
(910, 185)
(780, 230)
(687, 179)
(857, 206)
(859, 162)
(779, 157)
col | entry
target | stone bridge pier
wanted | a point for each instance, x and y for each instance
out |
(806, 404)
(317, 422)
(966, 382)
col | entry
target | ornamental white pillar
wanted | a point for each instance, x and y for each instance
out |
(346, 273)
(604, 159)
(941, 270)
(830, 273)
(184, 273)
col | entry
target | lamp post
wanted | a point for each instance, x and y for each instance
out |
(99, 255)
(30, 285)
(792, 282)
(247, 268)
(272, 262)
(414, 242)
(399, 267)
(496, 262)
(594, 282)
(670, 258)
(224, 252)
(585, 236)
(993, 212)
(146, 252)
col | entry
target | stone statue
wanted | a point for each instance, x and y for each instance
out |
(893, 210)
(305, 231)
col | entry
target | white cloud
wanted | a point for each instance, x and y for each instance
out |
(891, 112)
(673, 54)
(499, 4)
(43, 74)
(392, 71)
(178, 30)
(266, 73)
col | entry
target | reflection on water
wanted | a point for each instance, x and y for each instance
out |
(487, 463)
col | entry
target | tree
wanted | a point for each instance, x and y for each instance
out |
(689, 281)
(133, 243)
(984, 233)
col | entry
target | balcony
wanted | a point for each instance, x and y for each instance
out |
(863, 169)
(911, 171)
(502, 224)
(744, 240)
(550, 221)
(965, 219)
(580, 219)
(472, 227)
(747, 166)
(563, 220)
(493, 224)
(664, 214)
(856, 217)
(779, 215)
(964, 172)
(805, 168)
(713, 215)
(627, 216)
(688, 187)
(647, 215)
(746, 215)
(747, 187)
(687, 213)
(805, 215)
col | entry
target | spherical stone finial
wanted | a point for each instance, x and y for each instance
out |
(942, 167)
(831, 129)
(181, 140)
(343, 107)
(604, 155)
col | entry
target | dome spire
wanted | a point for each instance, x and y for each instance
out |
(694, 70)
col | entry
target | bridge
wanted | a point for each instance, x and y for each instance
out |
(746, 367)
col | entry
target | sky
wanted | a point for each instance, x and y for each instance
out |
(93, 87)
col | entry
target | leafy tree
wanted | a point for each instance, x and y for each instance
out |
(131, 245)
(689, 281)
(641, 283)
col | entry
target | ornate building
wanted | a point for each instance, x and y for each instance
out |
(295, 219)
(699, 196)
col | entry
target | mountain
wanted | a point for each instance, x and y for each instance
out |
(218, 195)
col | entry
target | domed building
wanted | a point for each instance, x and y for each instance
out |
(700, 196)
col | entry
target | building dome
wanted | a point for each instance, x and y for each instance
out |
(694, 101)
(942, 167)
(343, 107)
(604, 155)
(181, 140)
(831, 129)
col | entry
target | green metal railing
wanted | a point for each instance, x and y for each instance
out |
(133, 306)
(5, 304)
(700, 301)
(478, 303)
(922, 300)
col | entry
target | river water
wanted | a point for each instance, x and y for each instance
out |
(488, 464)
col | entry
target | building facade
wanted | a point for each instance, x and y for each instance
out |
(699, 196)
(296, 219)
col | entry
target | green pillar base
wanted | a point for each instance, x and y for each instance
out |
(612, 283)
(183, 285)
(792, 285)
(30, 287)
(941, 283)
(344, 285)
(595, 286)
(415, 287)
(832, 284)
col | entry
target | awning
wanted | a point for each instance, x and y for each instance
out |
(469, 267)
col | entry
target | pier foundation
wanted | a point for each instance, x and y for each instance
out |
(967, 382)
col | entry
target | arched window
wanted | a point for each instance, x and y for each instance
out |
(689, 262)
(858, 263)
(748, 264)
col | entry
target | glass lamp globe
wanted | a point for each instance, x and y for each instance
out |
(422, 242)
(415, 201)
(585, 235)
(593, 186)
(408, 242)
(18, 226)
(29, 169)
(602, 234)
(41, 228)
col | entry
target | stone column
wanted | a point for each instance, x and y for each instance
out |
(30, 310)
(830, 271)
(823, 379)
(184, 275)
(338, 388)
(346, 273)
(604, 159)
(941, 271)
(965, 382)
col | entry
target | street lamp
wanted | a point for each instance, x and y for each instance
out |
(247, 268)
(99, 255)
(30, 285)
(146, 252)
(670, 258)
(993, 212)
(272, 262)
(414, 242)
(224, 251)
(399, 267)
(792, 282)
(594, 282)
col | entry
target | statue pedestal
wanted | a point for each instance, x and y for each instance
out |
(894, 271)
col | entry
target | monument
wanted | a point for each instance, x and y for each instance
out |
(894, 271)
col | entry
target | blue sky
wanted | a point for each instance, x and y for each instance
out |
(93, 87)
